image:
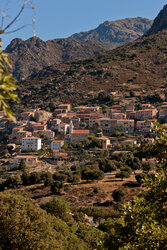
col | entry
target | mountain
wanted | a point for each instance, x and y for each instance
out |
(160, 22)
(140, 66)
(112, 34)
(32, 55)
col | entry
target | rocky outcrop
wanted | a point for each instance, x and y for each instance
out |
(159, 23)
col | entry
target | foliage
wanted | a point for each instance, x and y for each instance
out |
(147, 166)
(55, 187)
(140, 178)
(7, 86)
(122, 175)
(22, 165)
(143, 224)
(58, 207)
(92, 236)
(24, 225)
(118, 195)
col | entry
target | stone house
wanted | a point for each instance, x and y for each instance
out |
(49, 134)
(42, 115)
(144, 127)
(57, 144)
(105, 142)
(30, 160)
(67, 107)
(39, 126)
(59, 155)
(87, 110)
(19, 135)
(63, 128)
(78, 136)
(125, 125)
(146, 114)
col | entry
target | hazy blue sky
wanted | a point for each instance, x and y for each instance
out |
(60, 19)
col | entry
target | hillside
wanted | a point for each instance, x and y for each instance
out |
(139, 66)
(32, 55)
(112, 34)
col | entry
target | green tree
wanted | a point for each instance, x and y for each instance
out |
(24, 225)
(140, 178)
(58, 207)
(22, 165)
(122, 175)
(118, 195)
(147, 166)
(7, 86)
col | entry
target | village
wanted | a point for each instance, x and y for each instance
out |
(118, 129)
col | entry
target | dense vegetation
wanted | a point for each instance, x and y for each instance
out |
(139, 225)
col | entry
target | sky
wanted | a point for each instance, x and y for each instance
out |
(61, 19)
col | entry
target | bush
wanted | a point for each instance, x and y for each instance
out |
(140, 178)
(58, 207)
(118, 195)
(122, 175)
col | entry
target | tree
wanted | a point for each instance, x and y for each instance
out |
(134, 163)
(24, 225)
(13, 181)
(91, 235)
(7, 86)
(140, 178)
(93, 175)
(118, 195)
(58, 207)
(35, 177)
(48, 179)
(147, 166)
(122, 175)
(56, 187)
(22, 165)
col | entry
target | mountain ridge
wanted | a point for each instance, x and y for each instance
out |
(32, 55)
(116, 33)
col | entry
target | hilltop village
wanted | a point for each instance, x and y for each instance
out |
(39, 133)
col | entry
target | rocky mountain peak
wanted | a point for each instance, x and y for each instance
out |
(160, 22)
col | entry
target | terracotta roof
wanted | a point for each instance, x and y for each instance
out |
(84, 107)
(125, 120)
(80, 132)
(103, 138)
(63, 105)
(23, 131)
(57, 141)
(25, 156)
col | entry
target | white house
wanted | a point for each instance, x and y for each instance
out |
(57, 144)
(32, 143)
